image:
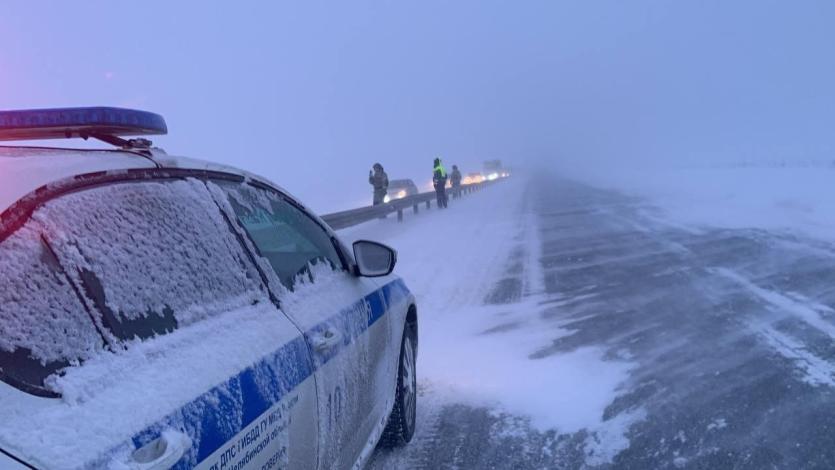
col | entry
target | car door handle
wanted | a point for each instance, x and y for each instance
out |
(327, 339)
(161, 453)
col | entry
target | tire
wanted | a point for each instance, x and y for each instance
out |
(401, 424)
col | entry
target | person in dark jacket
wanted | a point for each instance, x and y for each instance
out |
(439, 181)
(380, 181)
(455, 177)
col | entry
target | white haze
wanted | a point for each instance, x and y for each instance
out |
(312, 94)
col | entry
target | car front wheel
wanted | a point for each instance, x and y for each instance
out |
(401, 425)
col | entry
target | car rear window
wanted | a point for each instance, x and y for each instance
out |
(151, 256)
(43, 324)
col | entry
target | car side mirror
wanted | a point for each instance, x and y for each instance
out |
(374, 259)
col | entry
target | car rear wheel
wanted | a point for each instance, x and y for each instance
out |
(401, 425)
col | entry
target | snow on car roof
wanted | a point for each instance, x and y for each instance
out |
(25, 169)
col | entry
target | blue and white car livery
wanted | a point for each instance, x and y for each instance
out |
(161, 312)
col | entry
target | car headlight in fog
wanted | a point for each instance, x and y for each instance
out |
(387, 198)
(492, 176)
(401, 194)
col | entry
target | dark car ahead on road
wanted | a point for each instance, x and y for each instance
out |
(398, 189)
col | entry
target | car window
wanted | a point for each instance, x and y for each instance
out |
(283, 234)
(43, 324)
(152, 256)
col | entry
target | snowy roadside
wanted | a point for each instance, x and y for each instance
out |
(449, 257)
(478, 336)
(790, 199)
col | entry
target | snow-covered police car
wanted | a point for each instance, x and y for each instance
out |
(160, 312)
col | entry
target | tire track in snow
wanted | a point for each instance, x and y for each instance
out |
(476, 233)
(816, 370)
(493, 435)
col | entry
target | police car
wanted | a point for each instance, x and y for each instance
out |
(160, 312)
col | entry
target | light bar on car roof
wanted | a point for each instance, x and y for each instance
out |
(62, 123)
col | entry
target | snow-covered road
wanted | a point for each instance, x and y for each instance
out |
(565, 327)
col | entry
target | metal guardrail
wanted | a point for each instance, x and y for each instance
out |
(351, 217)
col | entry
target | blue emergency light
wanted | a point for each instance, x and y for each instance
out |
(102, 123)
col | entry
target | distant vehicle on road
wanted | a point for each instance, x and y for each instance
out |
(164, 312)
(398, 189)
(473, 178)
(493, 169)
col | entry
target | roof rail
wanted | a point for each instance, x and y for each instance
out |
(103, 123)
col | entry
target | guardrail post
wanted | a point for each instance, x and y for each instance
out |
(400, 215)
(427, 204)
(415, 208)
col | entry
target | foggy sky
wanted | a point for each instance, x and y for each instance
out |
(311, 94)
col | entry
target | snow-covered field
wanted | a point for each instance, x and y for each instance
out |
(793, 199)
(451, 261)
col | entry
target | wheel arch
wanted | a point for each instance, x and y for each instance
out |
(412, 321)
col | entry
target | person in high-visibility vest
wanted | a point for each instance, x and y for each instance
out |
(439, 181)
